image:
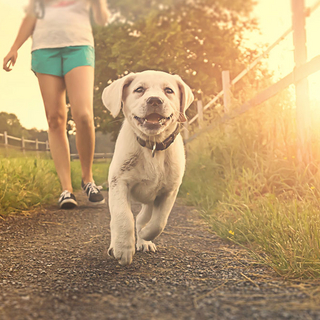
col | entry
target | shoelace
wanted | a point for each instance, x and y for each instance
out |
(92, 188)
(64, 194)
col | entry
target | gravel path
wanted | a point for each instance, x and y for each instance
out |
(54, 265)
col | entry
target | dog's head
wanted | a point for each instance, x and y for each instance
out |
(152, 100)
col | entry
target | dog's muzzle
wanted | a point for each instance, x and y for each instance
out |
(154, 117)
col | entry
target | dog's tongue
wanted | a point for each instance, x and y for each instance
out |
(153, 118)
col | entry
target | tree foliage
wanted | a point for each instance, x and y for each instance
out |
(196, 39)
(10, 123)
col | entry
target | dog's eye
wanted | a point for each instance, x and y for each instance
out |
(168, 90)
(139, 90)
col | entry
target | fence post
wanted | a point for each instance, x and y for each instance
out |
(185, 135)
(226, 90)
(37, 147)
(200, 113)
(302, 86)
(47, 145)
(185, 130)
(5, 135)
(23, 145)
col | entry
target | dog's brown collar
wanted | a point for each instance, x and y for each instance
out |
(158, 146)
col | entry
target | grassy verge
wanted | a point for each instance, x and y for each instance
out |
(250, 187)
(29, 181)
(99, 170)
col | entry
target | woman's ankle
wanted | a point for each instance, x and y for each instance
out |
(67, 188)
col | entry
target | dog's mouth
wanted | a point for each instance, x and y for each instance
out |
(153, 120)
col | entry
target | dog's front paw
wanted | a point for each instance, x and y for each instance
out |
(146, 246)
(123, 254)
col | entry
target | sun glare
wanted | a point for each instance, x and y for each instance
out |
(313, 47)
(281, 59)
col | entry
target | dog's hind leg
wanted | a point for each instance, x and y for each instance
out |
(161, 210)
(143, 218)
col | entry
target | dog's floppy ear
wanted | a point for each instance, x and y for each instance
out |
(186, 98)
(112, 95)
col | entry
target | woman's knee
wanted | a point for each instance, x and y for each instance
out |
(57, 121)
(83, 119)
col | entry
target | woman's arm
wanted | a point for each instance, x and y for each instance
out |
(25, 31)
(100, 11)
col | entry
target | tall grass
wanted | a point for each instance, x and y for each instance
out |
(247, 182)
(99, 171)
(27, 181)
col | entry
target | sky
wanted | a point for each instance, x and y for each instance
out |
(19, 90)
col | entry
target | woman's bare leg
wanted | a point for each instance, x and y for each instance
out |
(79, 83)
(53, 92)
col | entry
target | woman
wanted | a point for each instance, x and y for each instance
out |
(63, 61)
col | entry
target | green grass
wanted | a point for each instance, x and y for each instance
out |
(248, 184)
(28, 181)
(99, 170)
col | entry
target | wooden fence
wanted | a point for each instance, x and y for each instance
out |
(97, 156)
(22, 146)
(298, 77)
(23, 143)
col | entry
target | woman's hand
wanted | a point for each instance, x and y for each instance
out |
(10, 60)
(25, 31)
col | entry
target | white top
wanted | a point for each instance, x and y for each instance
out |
(65, 23)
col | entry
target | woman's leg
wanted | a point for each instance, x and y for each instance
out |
(79, 83)
(53, 92)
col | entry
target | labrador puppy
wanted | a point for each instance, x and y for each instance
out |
(149, 159)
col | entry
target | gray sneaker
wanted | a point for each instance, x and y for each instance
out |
(67, 200)
(93, 193)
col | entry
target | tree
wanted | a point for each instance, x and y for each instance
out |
(11, 124)
(196, 39)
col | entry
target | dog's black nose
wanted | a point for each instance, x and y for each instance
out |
(154, 101)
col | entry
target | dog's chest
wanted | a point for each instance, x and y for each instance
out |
(153, 179)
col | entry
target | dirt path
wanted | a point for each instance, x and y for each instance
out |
(54, 266)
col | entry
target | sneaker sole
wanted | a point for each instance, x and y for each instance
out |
(68, 204)
(96, 203)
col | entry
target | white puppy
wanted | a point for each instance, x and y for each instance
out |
(149, 159)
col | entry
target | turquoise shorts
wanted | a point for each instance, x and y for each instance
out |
(59, 61)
